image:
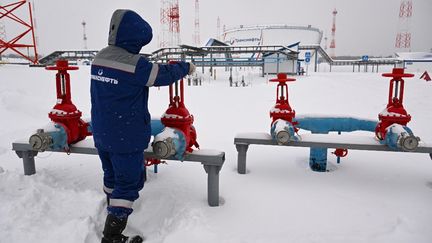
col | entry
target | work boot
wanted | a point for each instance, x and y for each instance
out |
(114, 227)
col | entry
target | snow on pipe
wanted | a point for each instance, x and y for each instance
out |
(400, 137)
(170, 142)
(326, 124)
(283, 132)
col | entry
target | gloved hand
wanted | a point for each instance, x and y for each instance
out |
(191, 68)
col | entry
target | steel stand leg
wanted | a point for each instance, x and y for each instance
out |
(241, 158)
(212, 184)
(28, 161)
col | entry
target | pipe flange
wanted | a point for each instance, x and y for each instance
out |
(164, 148)
(283, 137)
(409, 143)
(40, 141)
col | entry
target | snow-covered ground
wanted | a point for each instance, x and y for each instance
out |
(369, 197)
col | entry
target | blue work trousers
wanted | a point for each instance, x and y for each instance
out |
(124, 177)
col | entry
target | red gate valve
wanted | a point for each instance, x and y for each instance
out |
(394, 111)
(177, 115)
(65, 112)
(282, 109)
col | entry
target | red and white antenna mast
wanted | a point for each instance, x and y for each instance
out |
(174, 23)
(333, 35)
(3, 36)
(26, 37)
(164, 33)
(170, 23)
(403, 37)
(197, 40)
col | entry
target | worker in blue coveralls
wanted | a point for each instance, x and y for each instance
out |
(120, 81)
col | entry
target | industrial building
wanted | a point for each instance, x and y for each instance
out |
(275, 34)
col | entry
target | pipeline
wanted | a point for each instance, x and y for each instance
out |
(283, 132)
(170, 142)
(52, 137)
(67, 126)
(400, 137)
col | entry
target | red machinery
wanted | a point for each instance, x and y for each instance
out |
(177, 115)
(282, 109)
(65, 112)
(282, 127)
(394, 113)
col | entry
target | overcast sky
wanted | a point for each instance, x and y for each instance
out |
(363, 26)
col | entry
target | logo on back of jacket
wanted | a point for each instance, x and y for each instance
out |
(101, 78)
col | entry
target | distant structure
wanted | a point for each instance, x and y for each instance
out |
(333, 35)
(218, 28)
(33, 6)
(2, 31)
(3, 36)
(197, 39)
(163, 34)
(272, 34)
(325, 43)
(170, 23)
(403, 36)
(22, 20)
(84, 35)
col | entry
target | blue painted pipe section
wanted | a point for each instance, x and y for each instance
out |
(179, 145)
(318, 159)
(335, 124)
(156, 126)
(324, 125)
(394, 133)
(59, 138)
(89, 128)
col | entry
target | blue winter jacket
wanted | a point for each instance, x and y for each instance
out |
(120, 81)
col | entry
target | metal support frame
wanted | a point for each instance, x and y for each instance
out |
(316, 61)
(212, 184)
(203, 56)
(315, 141)
(28, 161)
(211, 162)
(241, 158)
(278, 63)
(7, 12)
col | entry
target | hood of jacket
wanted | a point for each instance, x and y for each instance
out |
(129, 31)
